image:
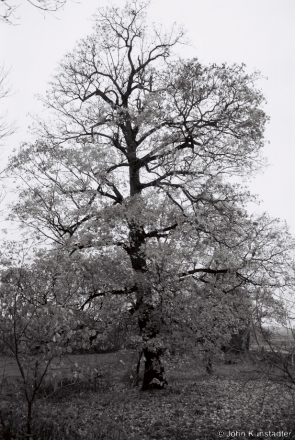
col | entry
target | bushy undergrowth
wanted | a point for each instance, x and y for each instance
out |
(195, 406)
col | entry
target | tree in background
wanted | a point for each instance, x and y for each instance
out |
(31, 321)
(40, 320)
(133, 172)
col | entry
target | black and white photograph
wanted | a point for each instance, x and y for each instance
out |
(147, 219)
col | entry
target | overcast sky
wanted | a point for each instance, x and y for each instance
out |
(259, 33)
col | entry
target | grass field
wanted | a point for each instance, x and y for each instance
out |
(234, 399)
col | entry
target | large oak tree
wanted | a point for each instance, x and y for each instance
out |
(134, 170)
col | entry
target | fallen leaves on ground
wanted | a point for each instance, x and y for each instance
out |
(195, 411)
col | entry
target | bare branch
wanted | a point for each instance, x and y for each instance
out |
(8, 8)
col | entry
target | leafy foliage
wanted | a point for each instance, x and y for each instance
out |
(132, 178)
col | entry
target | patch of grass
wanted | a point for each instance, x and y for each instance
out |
(193, 407)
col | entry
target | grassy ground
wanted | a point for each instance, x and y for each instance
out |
(233, 400)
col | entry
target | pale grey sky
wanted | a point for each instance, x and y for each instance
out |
(259, 33)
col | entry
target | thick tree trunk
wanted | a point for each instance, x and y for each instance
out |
(154, 373)
(150, 326)
(148, 318)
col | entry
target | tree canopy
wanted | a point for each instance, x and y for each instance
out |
(133, 173)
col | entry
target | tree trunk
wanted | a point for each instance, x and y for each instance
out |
(149, 322)
(136, 382)
(247, 341)
(154, 374)
(29, 420)
(150, 325)
(149, 317)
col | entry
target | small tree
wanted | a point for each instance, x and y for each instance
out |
(38, 318)
(133, 172)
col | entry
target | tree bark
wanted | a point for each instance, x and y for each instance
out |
(154, 373)
(150, 325)
(136, 382)
(29, 420)
(148, 320)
